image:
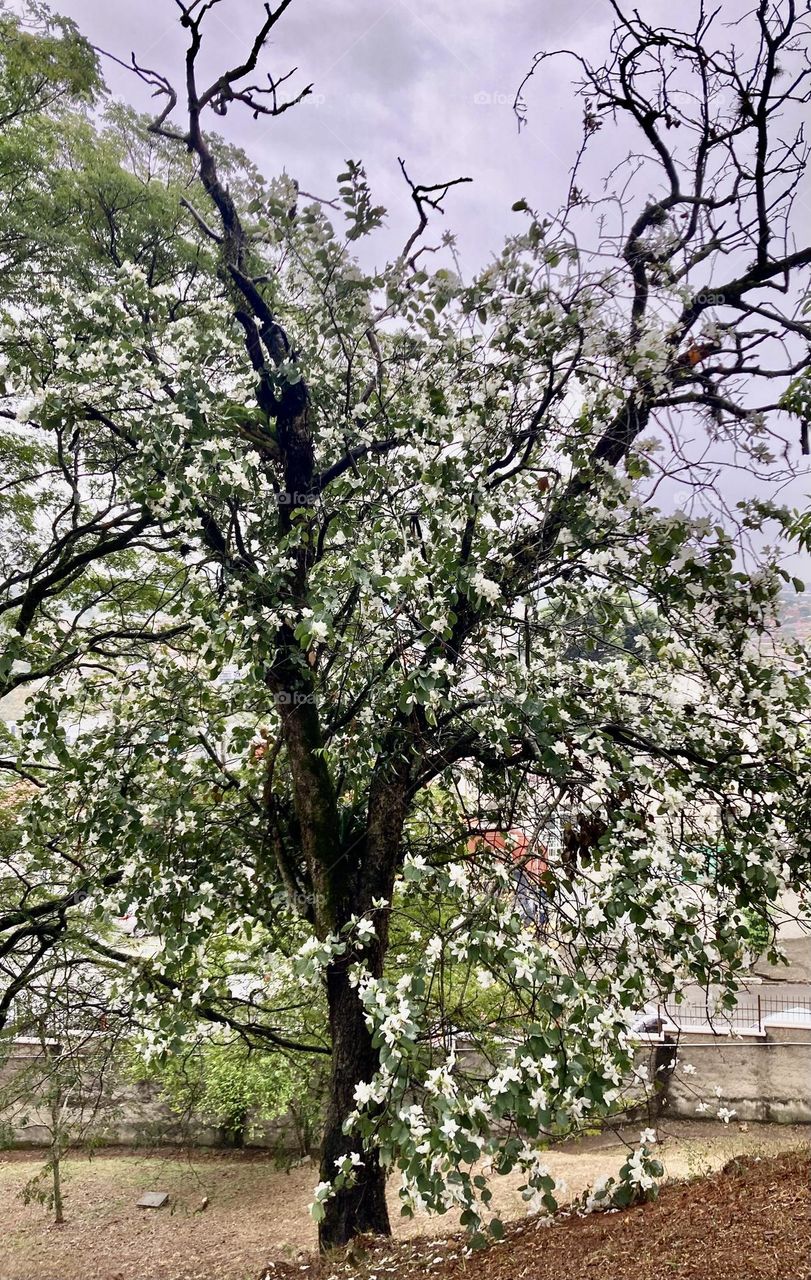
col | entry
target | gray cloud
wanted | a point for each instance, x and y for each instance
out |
(391, 78)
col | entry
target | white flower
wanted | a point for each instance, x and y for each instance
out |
(485, 588)
(637, 1173)
(648, 1137)
(27, 408)
(725, 1114)
(434, 948)
(345, 1164)
(364, 1093)
(417, 862)
(365, 930)
(457, 876)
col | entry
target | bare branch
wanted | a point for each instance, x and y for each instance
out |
(425, 197)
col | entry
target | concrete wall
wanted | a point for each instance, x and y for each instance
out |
(794, 937)
(129, 1114)
(763, 1077)
(797, 948)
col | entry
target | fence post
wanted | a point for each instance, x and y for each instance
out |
(759, 1014)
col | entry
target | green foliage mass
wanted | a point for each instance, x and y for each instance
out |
(238, 1091)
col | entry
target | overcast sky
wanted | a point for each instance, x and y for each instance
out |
(432, 83)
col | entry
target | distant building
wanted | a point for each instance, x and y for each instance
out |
(528, 865)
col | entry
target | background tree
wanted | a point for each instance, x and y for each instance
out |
(77, 203)
(64, 1085)
(409, 507)
(221, 1082)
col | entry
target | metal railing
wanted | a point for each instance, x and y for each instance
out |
(750, 1014)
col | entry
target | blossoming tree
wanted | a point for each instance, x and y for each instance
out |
(424, 592)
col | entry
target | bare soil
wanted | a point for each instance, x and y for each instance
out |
(256, 1215)
(749, 1221)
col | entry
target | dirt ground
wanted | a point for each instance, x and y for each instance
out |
(749, 1221)
(257, 1214)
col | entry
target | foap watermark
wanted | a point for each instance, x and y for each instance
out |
(484, 98)
(294, 698)
(286, 499)
(300, 902)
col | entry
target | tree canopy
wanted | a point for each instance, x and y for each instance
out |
(321, 577)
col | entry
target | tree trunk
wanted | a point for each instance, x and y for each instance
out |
(57, 1138)
(234, 1131)
(361, 1207)
(56, 1173)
